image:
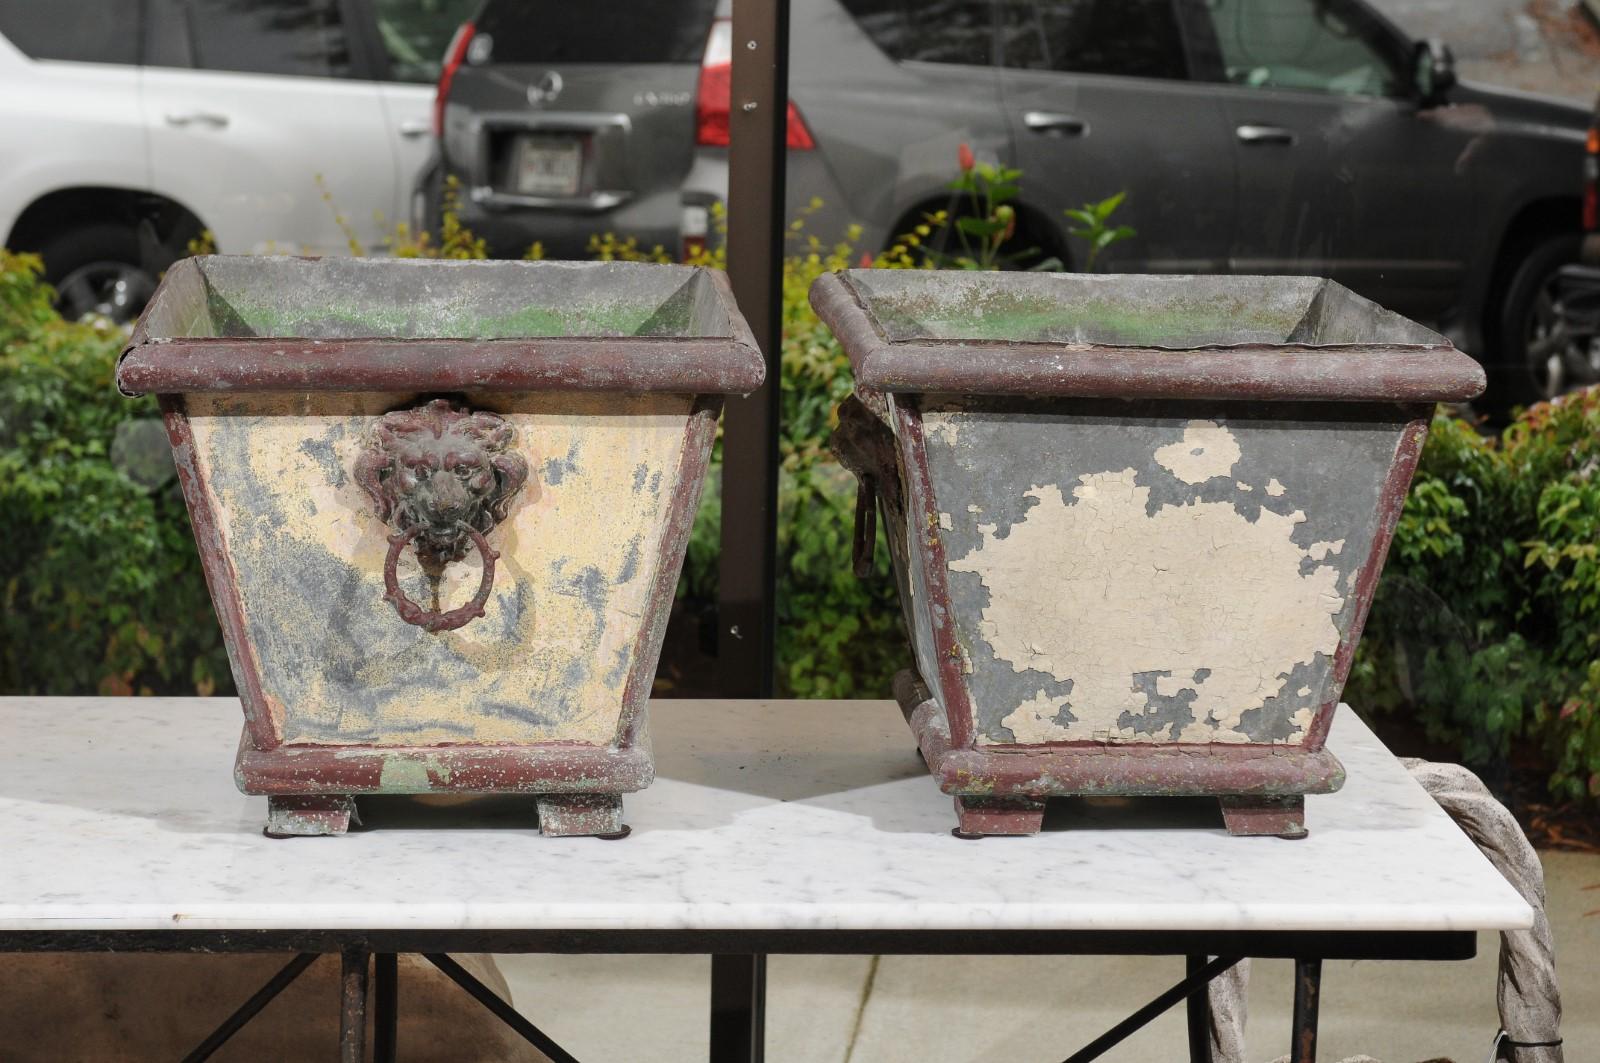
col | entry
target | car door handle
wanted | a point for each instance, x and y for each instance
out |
(1264, 134)
(1053, 123)
(206, 118)
(413, 129)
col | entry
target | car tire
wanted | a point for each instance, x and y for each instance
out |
(1522, 373)
(98, 269)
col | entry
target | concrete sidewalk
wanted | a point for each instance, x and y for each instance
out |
(857, 1009)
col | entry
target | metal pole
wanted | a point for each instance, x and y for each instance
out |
(738, 1008)
(386, 1007)
(1307, 993)
(1199, 1014)
(747, 577)
(353, 963)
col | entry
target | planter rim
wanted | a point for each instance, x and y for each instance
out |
(1381, 372)
(725, 364)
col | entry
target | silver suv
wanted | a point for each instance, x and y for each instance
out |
(1252, 136)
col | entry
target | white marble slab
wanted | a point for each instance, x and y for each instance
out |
(121, 814)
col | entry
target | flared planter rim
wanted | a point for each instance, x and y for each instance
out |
(1397, 361)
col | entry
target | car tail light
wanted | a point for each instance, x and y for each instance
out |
(714, 99)
(453, 58)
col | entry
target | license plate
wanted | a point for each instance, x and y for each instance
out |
(549, 166)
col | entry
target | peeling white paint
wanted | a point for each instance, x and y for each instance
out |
(1274, 488)
(1320, 551)
(1187, 588)
(1206, 451)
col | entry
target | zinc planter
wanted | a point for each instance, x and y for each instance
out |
(1136, 522)
(442, 508)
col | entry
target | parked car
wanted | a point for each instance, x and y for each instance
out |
(126, 129)
(1253, 136)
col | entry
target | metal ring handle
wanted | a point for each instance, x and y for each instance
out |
(431, 620)
(864, 542)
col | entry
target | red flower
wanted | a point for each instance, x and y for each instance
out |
(965, 159)
(866, 260)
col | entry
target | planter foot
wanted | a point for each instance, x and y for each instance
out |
(982, 817)
(309, 816)
(581, 815)
(1284, 817)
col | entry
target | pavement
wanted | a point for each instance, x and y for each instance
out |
(863, 1009)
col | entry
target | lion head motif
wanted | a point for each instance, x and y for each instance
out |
(441, 468)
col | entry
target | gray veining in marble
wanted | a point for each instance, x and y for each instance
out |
(121, 814)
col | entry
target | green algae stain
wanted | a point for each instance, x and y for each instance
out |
(404, 775)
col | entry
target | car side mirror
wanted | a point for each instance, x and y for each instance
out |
(1433, 70)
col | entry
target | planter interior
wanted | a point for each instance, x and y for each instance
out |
(584, 394)
(1136, 522)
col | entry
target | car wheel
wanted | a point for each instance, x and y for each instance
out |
(1537, 360)
(96, 270)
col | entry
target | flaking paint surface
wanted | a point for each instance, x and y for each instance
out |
(549, 660)
(1131, 579)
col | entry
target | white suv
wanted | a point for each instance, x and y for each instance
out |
(128, 128)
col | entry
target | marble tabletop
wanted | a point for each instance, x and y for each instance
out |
(121, 814)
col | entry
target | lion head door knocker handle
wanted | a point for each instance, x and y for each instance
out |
(442, 476)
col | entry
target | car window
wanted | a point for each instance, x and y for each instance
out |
(1311, 45)
(1134, 38)
(84, 31)
(299, 37)
(416, 33)
(940, 31)
(596, 31)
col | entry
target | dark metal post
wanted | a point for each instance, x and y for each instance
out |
(738, 1008)
(386, 1007)
(1199, 1014)
(353, 1004)
(1307, 990)
(748, 570)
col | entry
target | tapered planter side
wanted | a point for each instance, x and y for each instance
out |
(442, 508)
(1136, 522)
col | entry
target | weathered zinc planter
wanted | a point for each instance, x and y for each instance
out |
(442, 508)
(1136, 522)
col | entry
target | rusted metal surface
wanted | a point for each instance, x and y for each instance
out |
(206, 330)
(573, 815)
(1157, 595)
(980, 817)
(354, 965)
(1316, 341)
(1307, 999)
(503, 638)
(309, 816)
(442, 477)
(1282, 817)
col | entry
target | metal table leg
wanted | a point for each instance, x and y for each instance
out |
(738, 1008)
(1199, 1014)
(386, 1007)
(1307, 990)
(353, 1004)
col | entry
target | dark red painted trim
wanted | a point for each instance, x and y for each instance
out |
(1133, 769)
(535, 769)
(629, 364)
(1391, 500)
(922, 520)
(693, 460)
(1325, 372)
(262, 725)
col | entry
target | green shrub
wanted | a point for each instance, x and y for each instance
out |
(1486, 625)
(101, 582)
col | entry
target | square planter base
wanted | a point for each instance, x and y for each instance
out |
(311, 790)
(1002, 792)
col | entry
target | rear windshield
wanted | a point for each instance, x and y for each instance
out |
(597, 31)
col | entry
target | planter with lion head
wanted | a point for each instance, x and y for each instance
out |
(442, 508)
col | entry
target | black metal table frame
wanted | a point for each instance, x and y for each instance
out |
(738, 969)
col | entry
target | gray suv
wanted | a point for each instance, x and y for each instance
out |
(1252, 136)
